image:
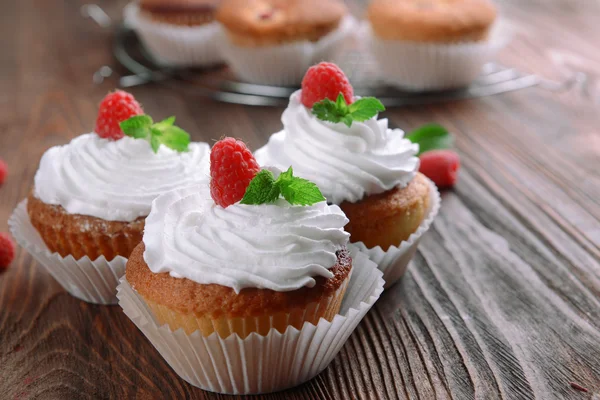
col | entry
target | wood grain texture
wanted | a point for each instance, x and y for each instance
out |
(503, 297)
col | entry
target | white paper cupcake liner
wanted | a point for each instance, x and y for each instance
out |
(394, 262)
(286, 64)
(427, 67)
(173, 45)
(259, 364)
(92, 281)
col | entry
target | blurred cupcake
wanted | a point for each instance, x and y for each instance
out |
(431, 44)
(178, 32)
(258, 256)
(336, 141)
(275, 41)
(90, 197)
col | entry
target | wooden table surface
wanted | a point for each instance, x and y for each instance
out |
(501, 301)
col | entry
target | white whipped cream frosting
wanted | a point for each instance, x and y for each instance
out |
(346, 163)
(270, 246)
(116, 180)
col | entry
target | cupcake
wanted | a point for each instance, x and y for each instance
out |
(369, 170)
(258, 254)
(433, 44)
(274, 41)
(177, 32)
(91, 196)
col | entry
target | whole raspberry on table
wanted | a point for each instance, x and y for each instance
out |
(3, 171)
(232, 167)
(441, 166)
(116, 107)
(7, 251)
(325, 80)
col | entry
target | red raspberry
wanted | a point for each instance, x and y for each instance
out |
(441, 166)
(116, 107)
(232, 167)
(325, 80)
(3, 171)
(7, 251)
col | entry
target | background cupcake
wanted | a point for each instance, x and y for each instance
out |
(275, 41)
(238, 272)
(90, 197)
(371, 171)
(178, 32)
(431, 45)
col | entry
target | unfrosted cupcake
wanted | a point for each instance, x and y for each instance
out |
(431, 44)
(275, 41)
(178, 32)
(246, 280)
(91, 196)
(371, 171)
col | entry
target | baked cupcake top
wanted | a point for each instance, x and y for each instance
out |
(263, 241)
(347, 160)
(116, 172)
(438, 21)
(256, 22)
(180, 12)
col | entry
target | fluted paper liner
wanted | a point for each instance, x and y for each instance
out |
(258, 363)
(394, 262)
(174, 45)
(431, 66)
(94, 281)
(285, 64)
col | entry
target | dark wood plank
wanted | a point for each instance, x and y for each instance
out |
(502, 301)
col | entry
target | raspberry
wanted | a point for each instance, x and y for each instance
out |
(441, 166)
(116, 107)
(232, 167)
(325, 80)
(3, 171)
(7, 251)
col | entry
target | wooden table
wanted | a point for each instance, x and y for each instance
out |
(502, 300)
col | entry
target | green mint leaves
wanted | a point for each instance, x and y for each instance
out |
(338, 111)
(431, 137)
(163, 132)
(264, 188)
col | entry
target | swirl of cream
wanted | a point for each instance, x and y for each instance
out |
(270, 246)
(115, 180)
(346, 163)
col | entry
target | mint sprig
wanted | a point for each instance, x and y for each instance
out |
(338, 111)
(163, 132)
(264, 188)
(431, 137)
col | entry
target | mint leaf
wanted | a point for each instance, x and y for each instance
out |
(137, 127)
(175, 138)
(298, 191)
(165, 123)
(365, 108)
(327, 110)
(431, 137)
(163, 132)
(338, 111)
(262, 189)
(286, 176)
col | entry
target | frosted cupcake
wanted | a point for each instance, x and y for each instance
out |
(433, 44)
(91, 196)
(371, 171)
(257, 256)
(178, 32)
(275, 41)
